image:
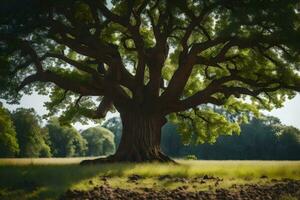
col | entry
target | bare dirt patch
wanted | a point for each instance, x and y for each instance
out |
(274, 190)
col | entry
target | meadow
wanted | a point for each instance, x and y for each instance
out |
(49, 178)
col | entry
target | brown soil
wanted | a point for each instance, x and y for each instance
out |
(273, 191)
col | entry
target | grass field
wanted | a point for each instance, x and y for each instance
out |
(49, 178)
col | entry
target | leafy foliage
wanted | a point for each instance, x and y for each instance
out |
(9, 146)
(30, 135)
(205, 124)
(115, 126)
(100, 141)
(65, 140)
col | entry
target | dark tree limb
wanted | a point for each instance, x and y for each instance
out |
(79, 65)
(62, 82)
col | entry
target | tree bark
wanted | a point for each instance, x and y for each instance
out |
(140, 140)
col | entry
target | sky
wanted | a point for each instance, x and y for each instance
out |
(37, 102)
(289, 114)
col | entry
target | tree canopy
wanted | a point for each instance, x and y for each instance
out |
(30, 134)
(115, 126)
(100, 141)
(153, 58)
(66, 141)
(8, 142)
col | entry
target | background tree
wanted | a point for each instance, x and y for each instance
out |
(171, 143)
(100, 141)
(30, 134)
(8, 142)
(261, 139)
(46, 150)
(115, 126)
(66, 141)
(150, 59)
(288, 147)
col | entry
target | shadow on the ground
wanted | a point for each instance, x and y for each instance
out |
(49, 181)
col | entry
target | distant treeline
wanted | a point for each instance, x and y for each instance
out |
(260, 139)
(22, 135)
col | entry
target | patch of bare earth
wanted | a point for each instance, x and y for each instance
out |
(274, 190)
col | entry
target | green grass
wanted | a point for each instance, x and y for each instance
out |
(49, 178)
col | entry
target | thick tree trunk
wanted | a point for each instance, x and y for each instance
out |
(140, 140)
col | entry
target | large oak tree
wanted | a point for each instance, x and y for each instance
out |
(149, 59)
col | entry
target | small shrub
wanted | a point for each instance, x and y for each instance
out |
(191, 157)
